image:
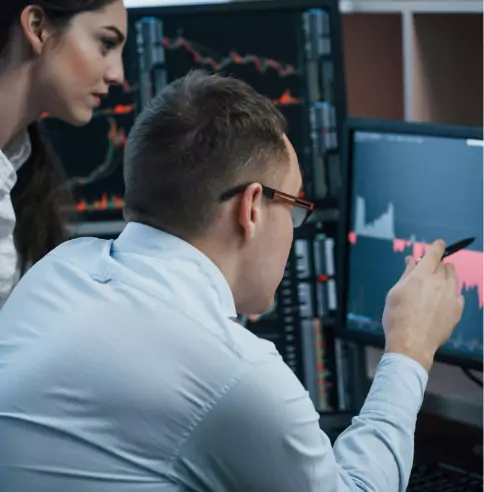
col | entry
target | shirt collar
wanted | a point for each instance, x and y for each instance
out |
(18, 150)
(145, 240)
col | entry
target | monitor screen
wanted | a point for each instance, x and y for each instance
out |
(288, 51)
(408, 186)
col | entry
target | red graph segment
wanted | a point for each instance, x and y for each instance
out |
(119, 109)
(105, 203)
(261, 64)
(468, 264)
(286, 99)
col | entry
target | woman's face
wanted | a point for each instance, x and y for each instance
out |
(76, 68)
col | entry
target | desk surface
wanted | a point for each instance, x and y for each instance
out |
(449, 442)
(436, 440)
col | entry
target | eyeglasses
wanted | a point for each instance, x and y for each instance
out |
(301, 209)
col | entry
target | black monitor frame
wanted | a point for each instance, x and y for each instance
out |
(230, 6)
(382, 126)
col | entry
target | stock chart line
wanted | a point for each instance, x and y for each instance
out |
(116, 141)
(468, 264)
(287, 99)
(261, 64)
(118, 110)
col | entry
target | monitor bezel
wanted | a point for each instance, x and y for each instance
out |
(383, 126)
(230, 6)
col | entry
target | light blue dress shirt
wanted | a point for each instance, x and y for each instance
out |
(121, 371)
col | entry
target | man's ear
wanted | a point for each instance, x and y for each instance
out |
(250, 210)
(34, 26)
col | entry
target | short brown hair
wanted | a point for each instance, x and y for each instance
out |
(202, 135)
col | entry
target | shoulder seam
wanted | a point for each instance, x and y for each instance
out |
(158, 298)
(205, 411)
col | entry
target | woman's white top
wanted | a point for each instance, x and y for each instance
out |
(11, 160)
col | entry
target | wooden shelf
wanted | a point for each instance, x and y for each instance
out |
(418, 65)
(448, 69)
(435, 6)
(372, 45)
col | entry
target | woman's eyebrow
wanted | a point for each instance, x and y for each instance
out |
(119, 35)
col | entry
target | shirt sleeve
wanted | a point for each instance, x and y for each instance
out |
(264, 435)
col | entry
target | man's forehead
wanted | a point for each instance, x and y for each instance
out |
(290, 148)
(292, 180)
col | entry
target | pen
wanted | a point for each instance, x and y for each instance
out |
(453, 248)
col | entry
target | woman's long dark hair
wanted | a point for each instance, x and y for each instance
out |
(40, 199)
(40, 196)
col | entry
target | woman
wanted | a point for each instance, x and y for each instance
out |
(59, 57)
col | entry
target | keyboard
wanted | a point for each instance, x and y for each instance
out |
(443, 478)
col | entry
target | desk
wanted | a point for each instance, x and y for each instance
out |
(445, 441)
(436, 440)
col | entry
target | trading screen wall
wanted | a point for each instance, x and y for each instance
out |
(291, 55)
(285, 54)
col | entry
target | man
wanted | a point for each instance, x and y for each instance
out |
(121, 365)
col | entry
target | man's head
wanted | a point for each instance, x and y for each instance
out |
(198, 163)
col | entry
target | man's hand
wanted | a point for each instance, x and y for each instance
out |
(423, 308)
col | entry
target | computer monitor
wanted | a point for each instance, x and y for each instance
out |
(408, 184)
(288, 50)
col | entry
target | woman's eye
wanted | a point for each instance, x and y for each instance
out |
(108, 45)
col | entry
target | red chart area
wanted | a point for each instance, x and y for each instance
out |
(469, 265)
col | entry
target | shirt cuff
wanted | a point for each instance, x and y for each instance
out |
(407, 362)
(399, 383)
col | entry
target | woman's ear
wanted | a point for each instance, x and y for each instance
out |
(34, 26)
